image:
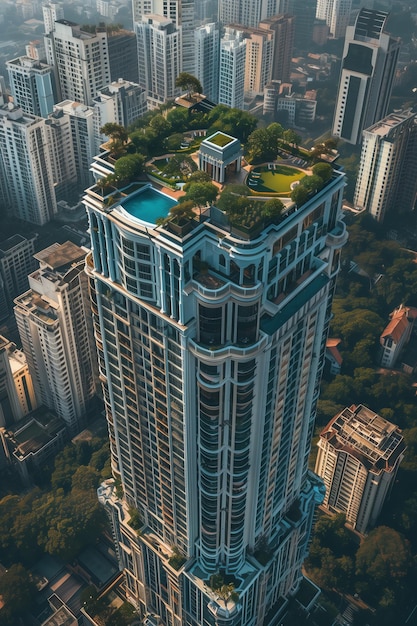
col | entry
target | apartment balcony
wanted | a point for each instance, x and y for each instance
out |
(212, 286)
(337, 237)
(229, 350)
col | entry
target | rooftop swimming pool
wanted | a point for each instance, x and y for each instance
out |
(148, 204)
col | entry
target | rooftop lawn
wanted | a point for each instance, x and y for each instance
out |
(276, 180)
(219, 139)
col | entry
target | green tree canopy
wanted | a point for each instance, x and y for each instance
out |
(201, 193)
(129, 167)
(383, 562)
(189, 82)
(18, 593)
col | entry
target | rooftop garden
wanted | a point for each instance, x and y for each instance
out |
(273, 178)
(220, 139)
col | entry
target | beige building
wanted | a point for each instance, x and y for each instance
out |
(17, 396)
(358, 458)
(53, 319)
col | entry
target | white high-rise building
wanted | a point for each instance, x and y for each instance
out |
(336, 14)
(368, 68)
(81, 60)
(207, 55)
(387, 177)
(53, 319)
(159, 57)
(358, 458)
(247, 12)
(182, 14)
(232, 69)
(25, 163)
(52, 11)
(32, 85)
(84, 143)
(211, 343)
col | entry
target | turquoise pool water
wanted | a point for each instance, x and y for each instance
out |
(148, 205)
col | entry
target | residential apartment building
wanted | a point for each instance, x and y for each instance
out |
(17, 395)
(211, 346)
(129, 103)
(387, 177)
(258, 60)
(232, 69)
(52, 12)
(182, 15)
(123, 55)
(336, 14)
(32, 85)
(85, 141)
(368, 68)
(358, 458)
(207, 59)
(159, 57)
(16, 263)
(81, 60)
(283, 28)
(25, 163)
(247, 12)
(53, 319)
(396, 335)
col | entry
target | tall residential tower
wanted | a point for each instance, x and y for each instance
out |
(368, 67)
(211, 344)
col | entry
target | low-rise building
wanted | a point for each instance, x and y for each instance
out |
(396, 334)
(358, 458)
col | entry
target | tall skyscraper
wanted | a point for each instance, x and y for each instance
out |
(52, 11)
(81, 60)
(304, 12)
(26, 174)
(53, 319)
(336, 14)
(207, 54)
(232, 68)
(16, 262)
(247, 12)
(159, 55)
(123, 55)
(358, 459)
(182, 14)
(17, 395)
(85, 143)
(387, 177)
(258, 61)
(368, 68)
(211, 346)
(283, 27)
(32, 85)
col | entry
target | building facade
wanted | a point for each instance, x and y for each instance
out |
(247, 12)
(17, 395)
(81, 60)
(258, 60)
(25, 164)
(336, 14)
(16, 263)
(387, 177)
(182, 15)
(232, 69)
(159, 57)
(53, 319)
(123, 55)
(207, 55)
(283, 27)
(211, 346)
(32, 85)
(368, 68)
(358, 458)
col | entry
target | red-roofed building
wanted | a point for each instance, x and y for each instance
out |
(396, 334)
(333, 356)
